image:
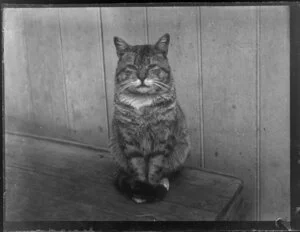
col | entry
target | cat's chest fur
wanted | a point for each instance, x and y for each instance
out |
(137, 102)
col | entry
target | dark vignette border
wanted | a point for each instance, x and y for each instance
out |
(2, 162)
(138, 226)
(136, 3)
(175, 226)
(295, 113)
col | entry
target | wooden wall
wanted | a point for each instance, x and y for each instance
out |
(231, 66)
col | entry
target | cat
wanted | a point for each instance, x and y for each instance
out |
(150, 140)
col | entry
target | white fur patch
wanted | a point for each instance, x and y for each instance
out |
(136, 102)
(165, 182)
(138, 200)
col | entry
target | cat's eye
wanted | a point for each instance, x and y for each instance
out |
(130, 70)
(131, 67)
(156, 71)
(151, 66)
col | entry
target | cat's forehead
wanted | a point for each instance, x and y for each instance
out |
(141, 55)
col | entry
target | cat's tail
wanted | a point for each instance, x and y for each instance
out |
(140, 192)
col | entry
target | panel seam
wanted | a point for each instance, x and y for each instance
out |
(258, 114)
(101, 37)
(32, 114)
(64, 75)
(200, 85)
(147, 25)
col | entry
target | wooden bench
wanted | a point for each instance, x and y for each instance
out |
(51, 181)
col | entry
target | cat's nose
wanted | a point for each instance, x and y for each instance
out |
(142, 78)
(142, 75)
(142, 82)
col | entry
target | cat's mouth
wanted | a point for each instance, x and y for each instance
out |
(143, 88)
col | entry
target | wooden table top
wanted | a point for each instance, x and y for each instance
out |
(52, 181)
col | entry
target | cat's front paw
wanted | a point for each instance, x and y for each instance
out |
(138, 200)
(142, 192)
(165, 182)
(162, 188)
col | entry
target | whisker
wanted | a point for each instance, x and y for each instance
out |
(125, 86)
(158, 85)
(162, 85)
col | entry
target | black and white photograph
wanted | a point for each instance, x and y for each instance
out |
(148, 113)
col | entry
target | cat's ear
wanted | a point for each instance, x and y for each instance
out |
(121, 45)
(163, 43)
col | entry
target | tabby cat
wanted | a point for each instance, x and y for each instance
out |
(150, 141)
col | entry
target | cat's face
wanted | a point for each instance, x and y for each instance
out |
(143, 69)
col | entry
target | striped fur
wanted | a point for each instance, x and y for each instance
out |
(149, 139)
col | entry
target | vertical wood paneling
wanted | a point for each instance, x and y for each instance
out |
(18, 109)
(127, 23)
(45, 71)
(258, 116)
(229, 68)
(182, 25)
(275, 113)
(82, 59)
(200, 73)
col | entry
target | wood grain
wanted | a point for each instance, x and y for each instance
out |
(229, 84)
(182, 24)
(82, 59)
(275, 113)
(18, 107)
(50, 181)
(45, 71)
(129, 24)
